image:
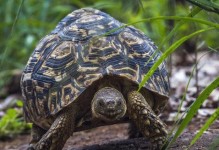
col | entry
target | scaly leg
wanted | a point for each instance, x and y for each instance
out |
(133, 131)
(59, 132)
(146, 120)
(36, 134)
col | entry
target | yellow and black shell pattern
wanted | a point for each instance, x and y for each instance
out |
(84, 47)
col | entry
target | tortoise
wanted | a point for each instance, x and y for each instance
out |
(85, 74)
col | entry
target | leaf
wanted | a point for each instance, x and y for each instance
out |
(19, 103)
(206, 5)
(12, 113)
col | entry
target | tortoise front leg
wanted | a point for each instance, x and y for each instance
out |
(36, 134)
(133, 131)
(146, 120)
(59, 132)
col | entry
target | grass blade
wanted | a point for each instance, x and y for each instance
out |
(187, 86)
(174, 30)
(213, 117)
(194, 108)
(177, 18)
(169, 51)
(177, 119)
(12, 30)
(206, 4)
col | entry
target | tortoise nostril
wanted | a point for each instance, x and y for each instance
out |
(110, 102)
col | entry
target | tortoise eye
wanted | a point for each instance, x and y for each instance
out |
(119, 103)
(100, 102)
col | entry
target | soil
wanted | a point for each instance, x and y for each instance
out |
(115, 137)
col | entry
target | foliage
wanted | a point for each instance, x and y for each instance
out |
(208, 5)
(12, 123)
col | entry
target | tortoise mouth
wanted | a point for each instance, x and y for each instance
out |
(111, 114)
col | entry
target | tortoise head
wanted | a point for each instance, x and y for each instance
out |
(108, 104)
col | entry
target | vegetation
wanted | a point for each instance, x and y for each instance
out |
(25, 22)
(12, 123)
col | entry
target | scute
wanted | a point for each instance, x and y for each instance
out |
(77, 53)
(84, 24)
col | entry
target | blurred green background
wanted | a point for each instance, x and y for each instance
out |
(25, 22)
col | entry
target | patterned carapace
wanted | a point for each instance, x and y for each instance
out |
(84, 47)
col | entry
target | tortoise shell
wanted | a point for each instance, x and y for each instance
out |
(83, 48)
